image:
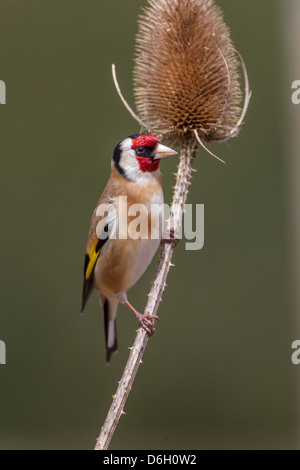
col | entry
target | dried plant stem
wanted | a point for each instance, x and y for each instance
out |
(131, 112)
(183, 178)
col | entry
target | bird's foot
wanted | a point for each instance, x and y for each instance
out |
(145, 322)
(170, 237)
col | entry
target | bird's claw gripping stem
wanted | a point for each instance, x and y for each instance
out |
(145, 322)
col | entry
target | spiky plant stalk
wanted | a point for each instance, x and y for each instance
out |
(187, 91)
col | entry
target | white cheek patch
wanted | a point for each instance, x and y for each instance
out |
(131, 167)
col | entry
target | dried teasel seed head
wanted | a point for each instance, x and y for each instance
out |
(186, 71)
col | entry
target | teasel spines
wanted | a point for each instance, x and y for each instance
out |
(186, 71)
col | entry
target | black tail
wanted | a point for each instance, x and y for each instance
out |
(110, 331)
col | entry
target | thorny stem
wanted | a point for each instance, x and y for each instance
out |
(183, 178)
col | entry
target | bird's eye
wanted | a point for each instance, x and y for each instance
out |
(140, 150)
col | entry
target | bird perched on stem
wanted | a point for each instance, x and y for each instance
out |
(117, 253)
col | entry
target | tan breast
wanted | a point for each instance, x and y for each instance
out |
(122, 262)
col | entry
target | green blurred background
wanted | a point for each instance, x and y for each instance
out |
(217, 373)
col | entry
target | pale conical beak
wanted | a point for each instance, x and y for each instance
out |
(162, 151)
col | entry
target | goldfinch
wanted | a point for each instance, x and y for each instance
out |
(116, 254)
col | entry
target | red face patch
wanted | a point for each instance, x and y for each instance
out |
(147, 165)
(146, 140)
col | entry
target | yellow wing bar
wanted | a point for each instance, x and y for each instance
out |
(92, 257)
